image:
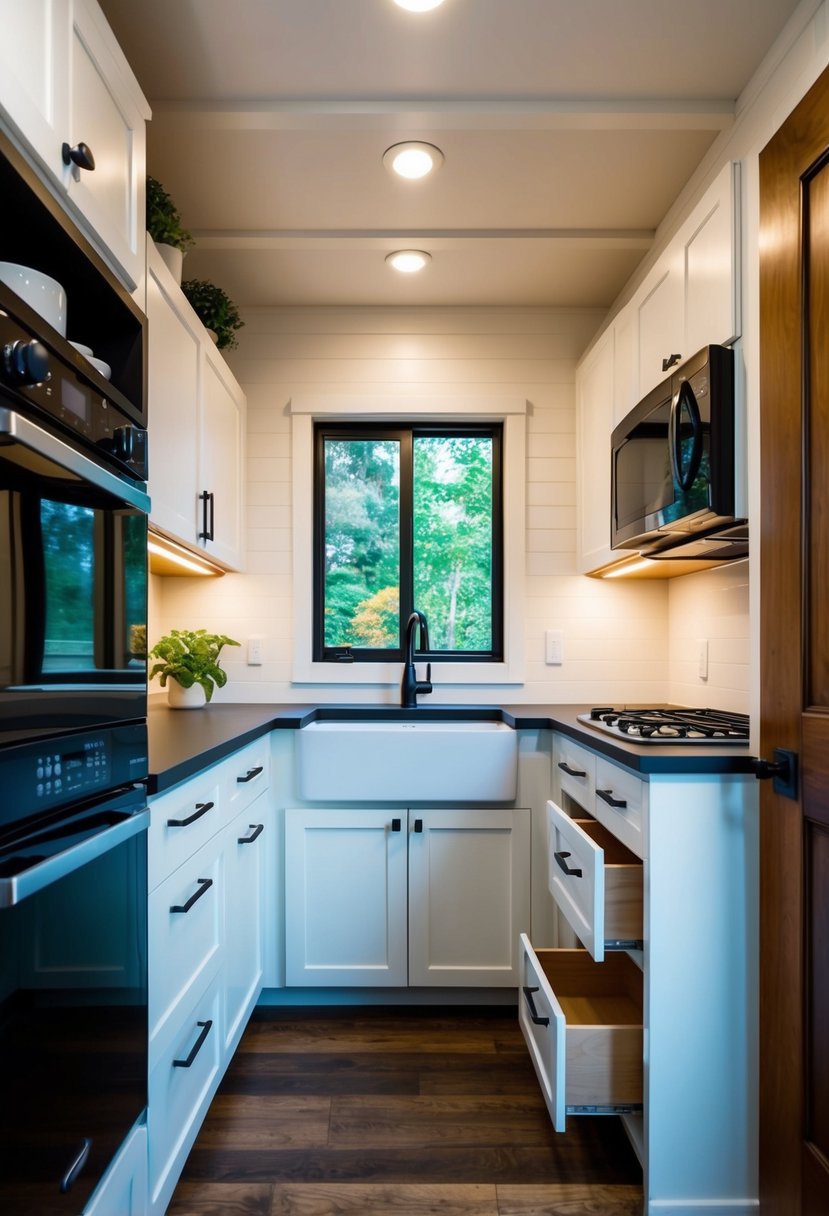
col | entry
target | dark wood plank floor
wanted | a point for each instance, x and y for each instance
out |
(374, 1112)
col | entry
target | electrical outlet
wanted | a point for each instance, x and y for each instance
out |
(554, 647)
(702, 658)
(255, 651)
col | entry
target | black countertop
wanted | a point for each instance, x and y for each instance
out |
(184, 741)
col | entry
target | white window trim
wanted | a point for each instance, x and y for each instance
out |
(512, 412)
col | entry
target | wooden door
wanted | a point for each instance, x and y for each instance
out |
(794, 555)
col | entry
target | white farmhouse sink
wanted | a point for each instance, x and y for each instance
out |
(427, 761)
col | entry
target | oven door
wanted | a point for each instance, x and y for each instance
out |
(73, 587)
(73, 999)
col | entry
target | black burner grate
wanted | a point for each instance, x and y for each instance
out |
(674, 725)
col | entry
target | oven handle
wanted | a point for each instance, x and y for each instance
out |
(34, 437)
(19, 886)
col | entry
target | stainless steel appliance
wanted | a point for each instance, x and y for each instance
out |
(73, 735)
(670, 725)
(673, 466)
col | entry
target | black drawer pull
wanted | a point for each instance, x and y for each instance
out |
(534, 1014)
(560, 858)
(607, 796)
(206, 884)
(75, 1168)
(418, 825)
(573, 772)
(395, 825)
(201, 809)
(197, 1046)
(257, 829)
(250, 774)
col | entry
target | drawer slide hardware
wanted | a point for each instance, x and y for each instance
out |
(625, 1108)
(534, 1014)
(633, 943)
(562, 863)
(571, 772)
(607, 796)
(197, 1046)
(204, 886)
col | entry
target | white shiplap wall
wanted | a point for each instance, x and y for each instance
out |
(615, 633)
(712, 607)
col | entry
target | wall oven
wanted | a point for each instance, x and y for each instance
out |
(73, 769)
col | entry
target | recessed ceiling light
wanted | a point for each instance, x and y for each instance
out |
(407, 261)
(412, 159)
(418, 6)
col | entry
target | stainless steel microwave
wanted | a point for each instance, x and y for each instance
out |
(673, 466)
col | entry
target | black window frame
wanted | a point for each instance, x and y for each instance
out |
(405, 433)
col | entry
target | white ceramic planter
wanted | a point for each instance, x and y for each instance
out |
(185, 698)
(173, 259)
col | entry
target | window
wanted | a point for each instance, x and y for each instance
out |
(407, 517)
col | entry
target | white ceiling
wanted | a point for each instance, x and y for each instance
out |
(568, 127)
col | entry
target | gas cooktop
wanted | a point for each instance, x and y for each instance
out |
(673, 725)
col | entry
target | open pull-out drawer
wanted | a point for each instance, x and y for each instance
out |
(597, 883)
(583, 1025)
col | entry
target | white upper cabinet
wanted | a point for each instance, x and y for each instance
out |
(691, 298)
(196, 413)
(594, 422)
(66, 83)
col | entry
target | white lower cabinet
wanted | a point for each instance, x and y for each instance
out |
(123, 1189)
(672, 859)
(207, 854)
(432, 897)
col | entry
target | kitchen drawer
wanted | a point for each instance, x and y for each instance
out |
(185, 936)
(582, 1022)
(621, 804)
(246, 775)
(596, 882)
(181, 1085)
(180, 823)
(575, 769)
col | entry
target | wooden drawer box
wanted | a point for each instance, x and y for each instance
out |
(582, 1022)
(621, 804)
(596, 882)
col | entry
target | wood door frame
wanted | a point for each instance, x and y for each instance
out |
(801, 141)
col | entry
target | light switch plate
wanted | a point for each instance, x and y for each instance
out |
(554, 647)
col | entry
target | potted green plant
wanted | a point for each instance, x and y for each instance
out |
(215, 310)
(189, 661)
(165, 227)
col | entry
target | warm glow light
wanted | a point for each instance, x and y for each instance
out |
(628, 568)
(412, 159)
(172, 553)
(408, 261)
(418, 6)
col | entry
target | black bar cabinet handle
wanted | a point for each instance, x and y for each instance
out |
(395, 825)
(75, 1168)
(257, 829)
(197, 1046)
(205, 885)
(573, 772)
(208, 506)
(607, 796)
(418, 825)
(670, 362)
(250, 774)
(201, 809)
(534, 1014)
(560, 859)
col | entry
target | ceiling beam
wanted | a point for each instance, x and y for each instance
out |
(554, 113)
(581, 238)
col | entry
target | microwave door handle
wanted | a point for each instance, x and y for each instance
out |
(684, 477)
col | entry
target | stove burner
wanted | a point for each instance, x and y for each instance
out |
(670, 725)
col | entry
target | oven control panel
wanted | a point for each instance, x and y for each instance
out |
(64, 769)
